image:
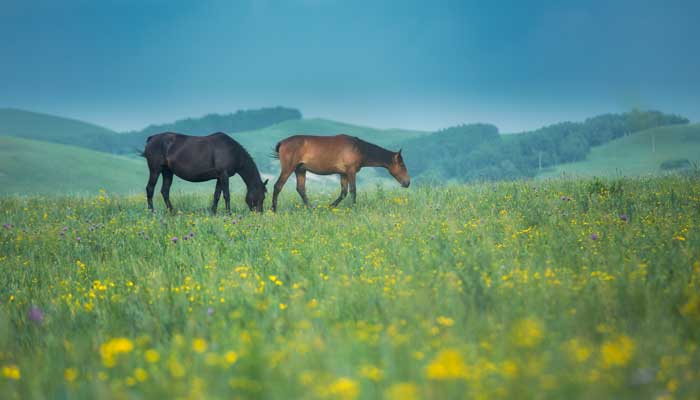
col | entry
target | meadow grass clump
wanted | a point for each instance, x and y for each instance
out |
(584, 288)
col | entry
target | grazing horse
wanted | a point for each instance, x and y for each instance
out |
(199, 159)
(324, 155)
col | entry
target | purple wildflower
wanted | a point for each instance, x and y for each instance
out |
(191, 234)
(35, 314)
(174, 239)
(7, 226)
(78, 239)
(594, 236)
(210, 311)
(185, 237)
(623, 217)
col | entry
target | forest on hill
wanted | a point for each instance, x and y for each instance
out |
(476, 152)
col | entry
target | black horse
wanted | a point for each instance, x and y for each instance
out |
(199, 159)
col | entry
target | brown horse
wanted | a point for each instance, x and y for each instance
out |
(199, 159)
(324, 155)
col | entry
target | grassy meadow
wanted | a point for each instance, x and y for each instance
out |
(634, 155)
(541, 289)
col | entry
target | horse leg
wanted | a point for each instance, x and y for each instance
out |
(353, 191)
(227, 195)
(217, 195)
(343, 190)
(165, 188)
(151, 186)
(284, 175)
(301, 184)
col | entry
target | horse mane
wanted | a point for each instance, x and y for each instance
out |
(373, 152)
(245, 157)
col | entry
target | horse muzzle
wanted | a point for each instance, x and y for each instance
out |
(405, 184)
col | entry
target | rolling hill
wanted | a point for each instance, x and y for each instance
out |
(50, 128)
(30, 166)
(633, 156)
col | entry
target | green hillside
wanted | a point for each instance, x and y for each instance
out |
(50, 128)
(632, 155)
(29, 166)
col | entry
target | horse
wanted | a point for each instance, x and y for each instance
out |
(199, 159)
(325, 155)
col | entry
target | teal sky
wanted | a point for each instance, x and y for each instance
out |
(412, 64)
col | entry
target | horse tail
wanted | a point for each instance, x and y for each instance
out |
(276, 153)
(142, 153)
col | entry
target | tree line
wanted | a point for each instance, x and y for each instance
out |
(478, 152)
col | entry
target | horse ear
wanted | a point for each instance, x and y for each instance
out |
(400, 152)
(265, 183)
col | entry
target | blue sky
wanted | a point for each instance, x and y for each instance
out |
(412, 64)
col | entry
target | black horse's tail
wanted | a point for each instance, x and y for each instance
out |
(142, 153)
(276, 153)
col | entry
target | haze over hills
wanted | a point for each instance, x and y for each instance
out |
(63, 155)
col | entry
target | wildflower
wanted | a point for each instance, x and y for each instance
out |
(594, 236)
(231, 357)
(140, 374)
(577, 350)
(617, 352)
(7, 226)
(372, 373)
(174, 239)
(77, 239)
(445, 321)
(36, 315)
(11, 372)
(199, 345)
(343, 388)
(623, 217)
(210, 311)
(527, 333)
(151, 356)
(448, 364)
(70, 374)
(283, 306)
(402, 391)
(111, 349)
(565, 198)
(177, 370)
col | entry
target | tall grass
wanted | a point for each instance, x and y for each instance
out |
(585, 289)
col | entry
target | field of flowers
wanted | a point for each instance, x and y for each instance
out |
(584, 289)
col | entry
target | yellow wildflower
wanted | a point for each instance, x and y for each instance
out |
(448, 364)
(402, 391)
(577, 350)
(199, 345)
(527, 333)
(617, 352)
(344, 389)
(12, 372)
(445, 321)
(140, 374)
(151, 356)
(372, 373)
(231, 357)
(70, 374)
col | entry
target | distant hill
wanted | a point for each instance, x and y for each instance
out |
(29, 166)
(477, 152)
(632, 155)
(240, 121)
(50, 128)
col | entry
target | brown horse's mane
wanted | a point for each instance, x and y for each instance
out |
(373, 153)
